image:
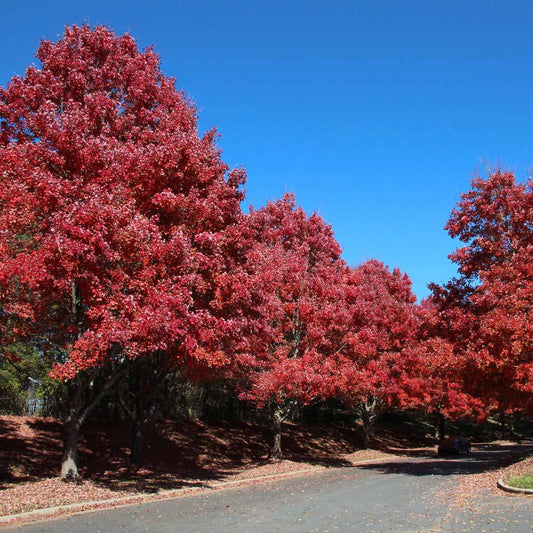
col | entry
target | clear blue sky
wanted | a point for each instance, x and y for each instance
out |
(376, 114)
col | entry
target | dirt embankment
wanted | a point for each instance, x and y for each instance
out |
(178, 455)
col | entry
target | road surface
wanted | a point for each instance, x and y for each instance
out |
(413, 494)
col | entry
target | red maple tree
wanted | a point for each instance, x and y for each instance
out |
(378, 365)
(111, 208)
(446, 390)
(285, 296)
(487, 308)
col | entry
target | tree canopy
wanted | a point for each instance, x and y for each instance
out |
(126, 256)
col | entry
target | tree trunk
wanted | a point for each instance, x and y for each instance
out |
(145, 377)
(79, 406)
(78, 413)
(440, 427)
(369, 410)
(195, 398)
(277, 420)
(503, 426)
(137, 442)
(367, 430)
(142, 396)
(69, 460)
(71, 428)
(512, 427)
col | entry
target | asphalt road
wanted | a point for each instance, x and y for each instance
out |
(416, 494)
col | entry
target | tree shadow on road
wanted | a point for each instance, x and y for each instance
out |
(484, 459)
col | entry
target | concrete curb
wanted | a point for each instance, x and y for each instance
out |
(514, 490)
(49, 513)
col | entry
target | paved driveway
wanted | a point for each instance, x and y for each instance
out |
(413, 494)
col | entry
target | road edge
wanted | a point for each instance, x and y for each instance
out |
(61, 511)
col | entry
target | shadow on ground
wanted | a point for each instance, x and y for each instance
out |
(483, 459)
(30, 448)
(177, 454)
(189, 453)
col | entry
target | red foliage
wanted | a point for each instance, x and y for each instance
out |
(378, 360)
(444, 373)
(487, 310)
(110, 202)
(286, 294)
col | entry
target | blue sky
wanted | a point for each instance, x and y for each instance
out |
(376, 114)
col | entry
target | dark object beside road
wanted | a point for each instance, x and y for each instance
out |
(454, 445)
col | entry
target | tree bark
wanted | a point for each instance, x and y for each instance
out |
(512, 427)
(440, 427)
(367, 430)
(277, 421)
(137, 442)
(71, 428)
(503, 425)
(369, 410)
(69, 459)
